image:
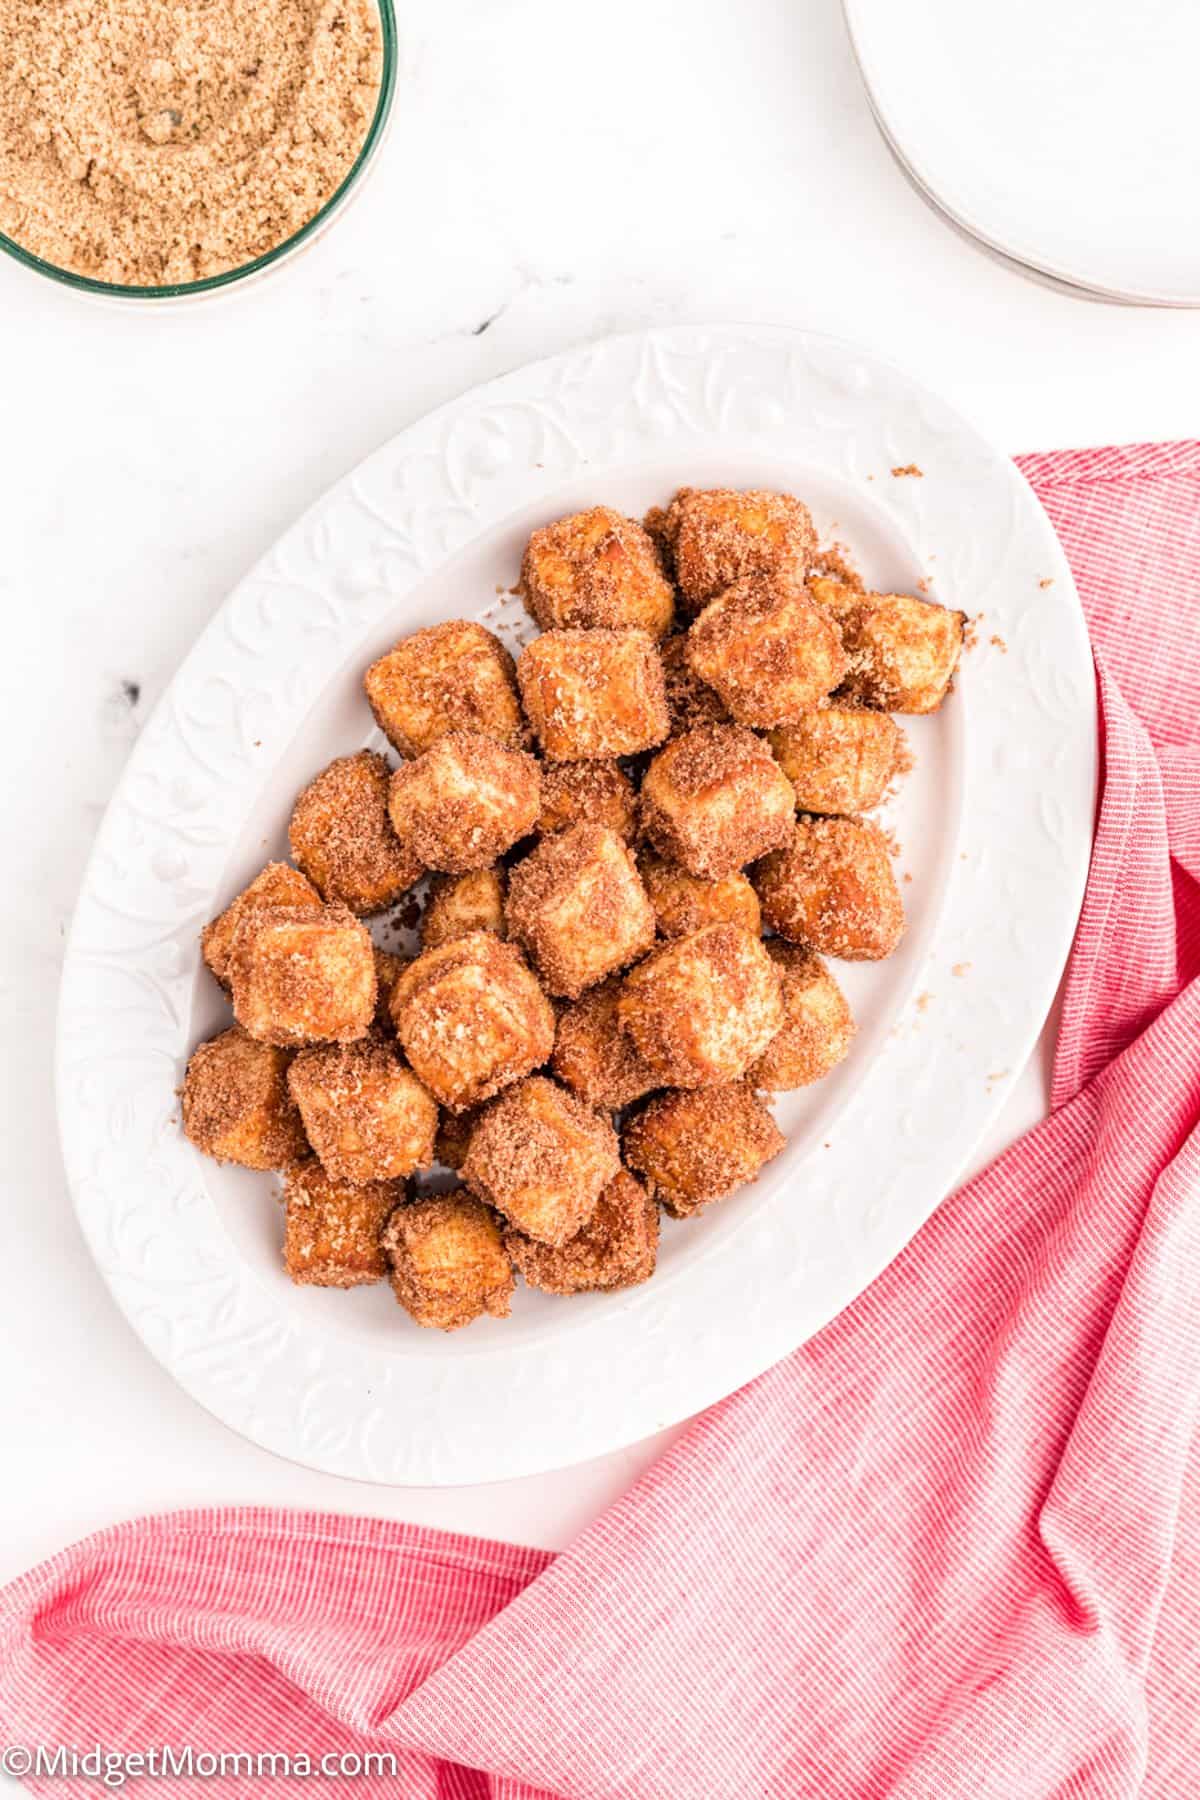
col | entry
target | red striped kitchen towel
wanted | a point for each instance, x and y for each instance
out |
(949, 1548)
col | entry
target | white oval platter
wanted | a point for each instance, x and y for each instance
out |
(994, 825)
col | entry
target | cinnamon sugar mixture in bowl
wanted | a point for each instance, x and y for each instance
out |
(153, 143)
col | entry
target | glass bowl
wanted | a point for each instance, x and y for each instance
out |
(299, 240)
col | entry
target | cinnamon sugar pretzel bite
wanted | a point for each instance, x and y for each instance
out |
(276, 885)
(617, 1248)
(716, 536)
(901, 652)
(458, 904)
(465, 801)
(236, 1106)
(450, 677)
(817, 1027)
(342, 838)
(596, 570)
(592, 793)
(594, 694)
(301, 977)
(832, 889)
(578, 907)
(701, 1009)
(542, 1158)
(839, 759)
(448, 1261)
(471, 1019)
(366, 1115)
(594, 1057)
(684, 903)
(697, 1147)
(715, 799)
(333, 1229)
(766, 649)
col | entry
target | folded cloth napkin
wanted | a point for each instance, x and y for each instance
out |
(949, 1548)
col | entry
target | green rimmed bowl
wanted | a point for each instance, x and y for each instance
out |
(272, 259)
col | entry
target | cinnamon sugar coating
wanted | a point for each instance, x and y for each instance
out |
(717, 536)
(450, 677)
(366, 1115)
(715, 799)
(690, 701)
(685, 903)
(334, 1229)
(388, 969)
(454, 1136)
(817, 1026)
(595, 1058)
(471, 1019)
(300, 977)
(276, 885)
(766, 649)
(832, 889)
(701, 1009)
(839, 759)
(595, 793)
(901, 652)
(697, 1147)
(542, 1158)
(578, 906)
(236, 1106)
(458, 904)
(463, 802)
(594, 694)
(596, 570)
(448, 1261)
(342, 838)
(617, 1248)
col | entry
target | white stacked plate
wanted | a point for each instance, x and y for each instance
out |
(1063, 134)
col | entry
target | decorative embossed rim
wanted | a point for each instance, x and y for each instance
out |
(832, 1218)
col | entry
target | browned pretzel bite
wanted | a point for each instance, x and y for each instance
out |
(302, 977)
(694, 1147)
(717, 535)
(464, 801)
(343, 840)
(817, 1027)
(832, 889)
(839, 759)
(450, 677)
(542, 1158)
(594, 694)
(333, 1229)
(767, 649)
(471, 1018)
(236, 1106)
(702, 1008)
(596, 570)
(715, 799)
(448, 1261)
(578, 907)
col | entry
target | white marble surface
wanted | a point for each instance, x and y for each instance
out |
(551, 183)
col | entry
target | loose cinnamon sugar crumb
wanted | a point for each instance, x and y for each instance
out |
(908, 469)
(960, 968)
(923, 1002)
(147, 142)
(971, 632)
(999, 643)
(1047, 581)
